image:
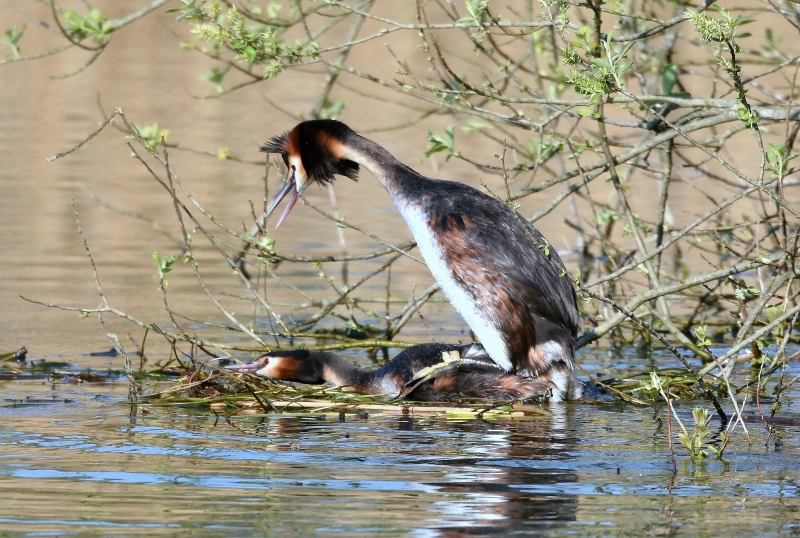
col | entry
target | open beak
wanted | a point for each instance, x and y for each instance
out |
(246, 368)
(289, 186)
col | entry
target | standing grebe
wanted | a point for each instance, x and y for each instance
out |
(474, 375)
(493, 265)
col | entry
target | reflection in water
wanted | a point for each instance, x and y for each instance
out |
(490, 496)
(477, 477)
(493, 500)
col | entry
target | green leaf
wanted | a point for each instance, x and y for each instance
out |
(331, 109)
(151, 134)
(11, 38)
(623, 69)
(437, 143)
(92, 26)
(164, 265)
(603, 64)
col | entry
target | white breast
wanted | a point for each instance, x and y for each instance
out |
(485, 329)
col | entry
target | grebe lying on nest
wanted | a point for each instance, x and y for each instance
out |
(472, 374)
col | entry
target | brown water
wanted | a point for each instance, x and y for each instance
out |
(74, 461)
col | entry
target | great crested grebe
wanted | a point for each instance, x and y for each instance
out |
(474, 375)
(498, 271)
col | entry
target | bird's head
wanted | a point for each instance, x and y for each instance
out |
(298, 365)
(314, 151)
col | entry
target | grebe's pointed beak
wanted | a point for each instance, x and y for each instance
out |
(291, 185)
(249, 367)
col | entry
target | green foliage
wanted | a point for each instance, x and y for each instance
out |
(672, 383)
(669, 77)
(649, 389)
(164, 265)
(216, 76)
(570, 55)
(331, 109)
(544, 247)
(253, 44)
(265, 247)
(771, 313)
(11, 38)
(446, 142)
(540, 151)
(778, 160)
(700, 333)
(612, 63)
(711, 30)
(582, 40)
(772, 44)
(151, 134)
(188, 255)
(695, 443)
(607, 216)
(92, 26)
(189, 11)
(477, 11)
(748, 116)
(563, 17)
(273, 68)
(519, 98)
(743, 292)
(474, 125)
(603, 75)
(477, 19)
(722, 31)
(586, 84)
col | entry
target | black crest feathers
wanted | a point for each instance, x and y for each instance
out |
(316, 142)
(276, 144)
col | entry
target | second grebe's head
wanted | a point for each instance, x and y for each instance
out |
(314, 151)
(287, 365)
